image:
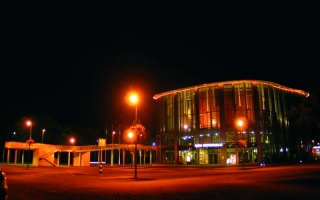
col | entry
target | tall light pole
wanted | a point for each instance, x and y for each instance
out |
(113, 132)
(134, 100)
(43, 130)
(240, 123)
(119, 142)
(131, 135)
(29, 123)
(72, 141)
(105, 151)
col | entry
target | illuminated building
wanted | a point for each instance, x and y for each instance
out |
(197, 125)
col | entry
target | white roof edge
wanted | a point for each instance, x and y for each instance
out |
(276, 85)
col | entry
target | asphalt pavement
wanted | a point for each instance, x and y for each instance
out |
(290, 181)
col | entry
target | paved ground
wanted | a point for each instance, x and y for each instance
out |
(296, 181)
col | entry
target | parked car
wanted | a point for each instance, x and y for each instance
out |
(3, 185)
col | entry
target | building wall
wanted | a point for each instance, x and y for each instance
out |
(198, 125)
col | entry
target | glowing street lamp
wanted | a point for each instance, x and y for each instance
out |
(240, 123)
(119, 144)
(113, 133)
(134, 100)
(29, 123)
(72, 141)
(43, 130)
(130, 135)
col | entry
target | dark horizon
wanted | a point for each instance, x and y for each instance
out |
(77, 62)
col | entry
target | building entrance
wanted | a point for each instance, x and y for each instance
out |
(213, 158)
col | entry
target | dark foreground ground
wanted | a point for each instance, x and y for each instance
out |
(294, 181)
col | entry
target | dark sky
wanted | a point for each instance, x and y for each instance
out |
(77, 61)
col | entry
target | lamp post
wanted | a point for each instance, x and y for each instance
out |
(105, 151)
(72, 140)
(29, 123)
(113, 133)
(131, 135)
(43, 130)
(134, 100)
(240, 123)
(119, 143)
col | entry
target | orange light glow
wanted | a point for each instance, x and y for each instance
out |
(241, 123)
(130, 135)
(29, 123)
(134, 98)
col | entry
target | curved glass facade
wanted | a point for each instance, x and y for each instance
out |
(198, 125)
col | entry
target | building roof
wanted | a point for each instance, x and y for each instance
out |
(272, 84)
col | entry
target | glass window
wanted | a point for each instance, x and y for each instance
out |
(249, 103)
(228, 105)
(215, 107)
(230, 137)
(186, 111)
(169, 114)
(204, 108)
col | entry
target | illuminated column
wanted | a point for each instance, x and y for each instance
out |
(150, 153)
(257, 120)
(197, 129)
(133, 157)
(68, 159)
(8, 156)
(123, 156)
(144, 157)
(140, 156)
(22, 157)
(58, 159)
(223, 131)
(15, 156)
(176, 128)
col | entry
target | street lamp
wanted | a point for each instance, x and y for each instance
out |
(130, 135)
(113, 133)
(240, 123)
(134, 100)
(29, 123)
(105, 151)
(72, 141)
(43, 130)
(119, 143)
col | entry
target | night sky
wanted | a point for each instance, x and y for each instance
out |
(77, 61)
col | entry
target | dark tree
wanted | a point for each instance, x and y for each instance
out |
(305, 122)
